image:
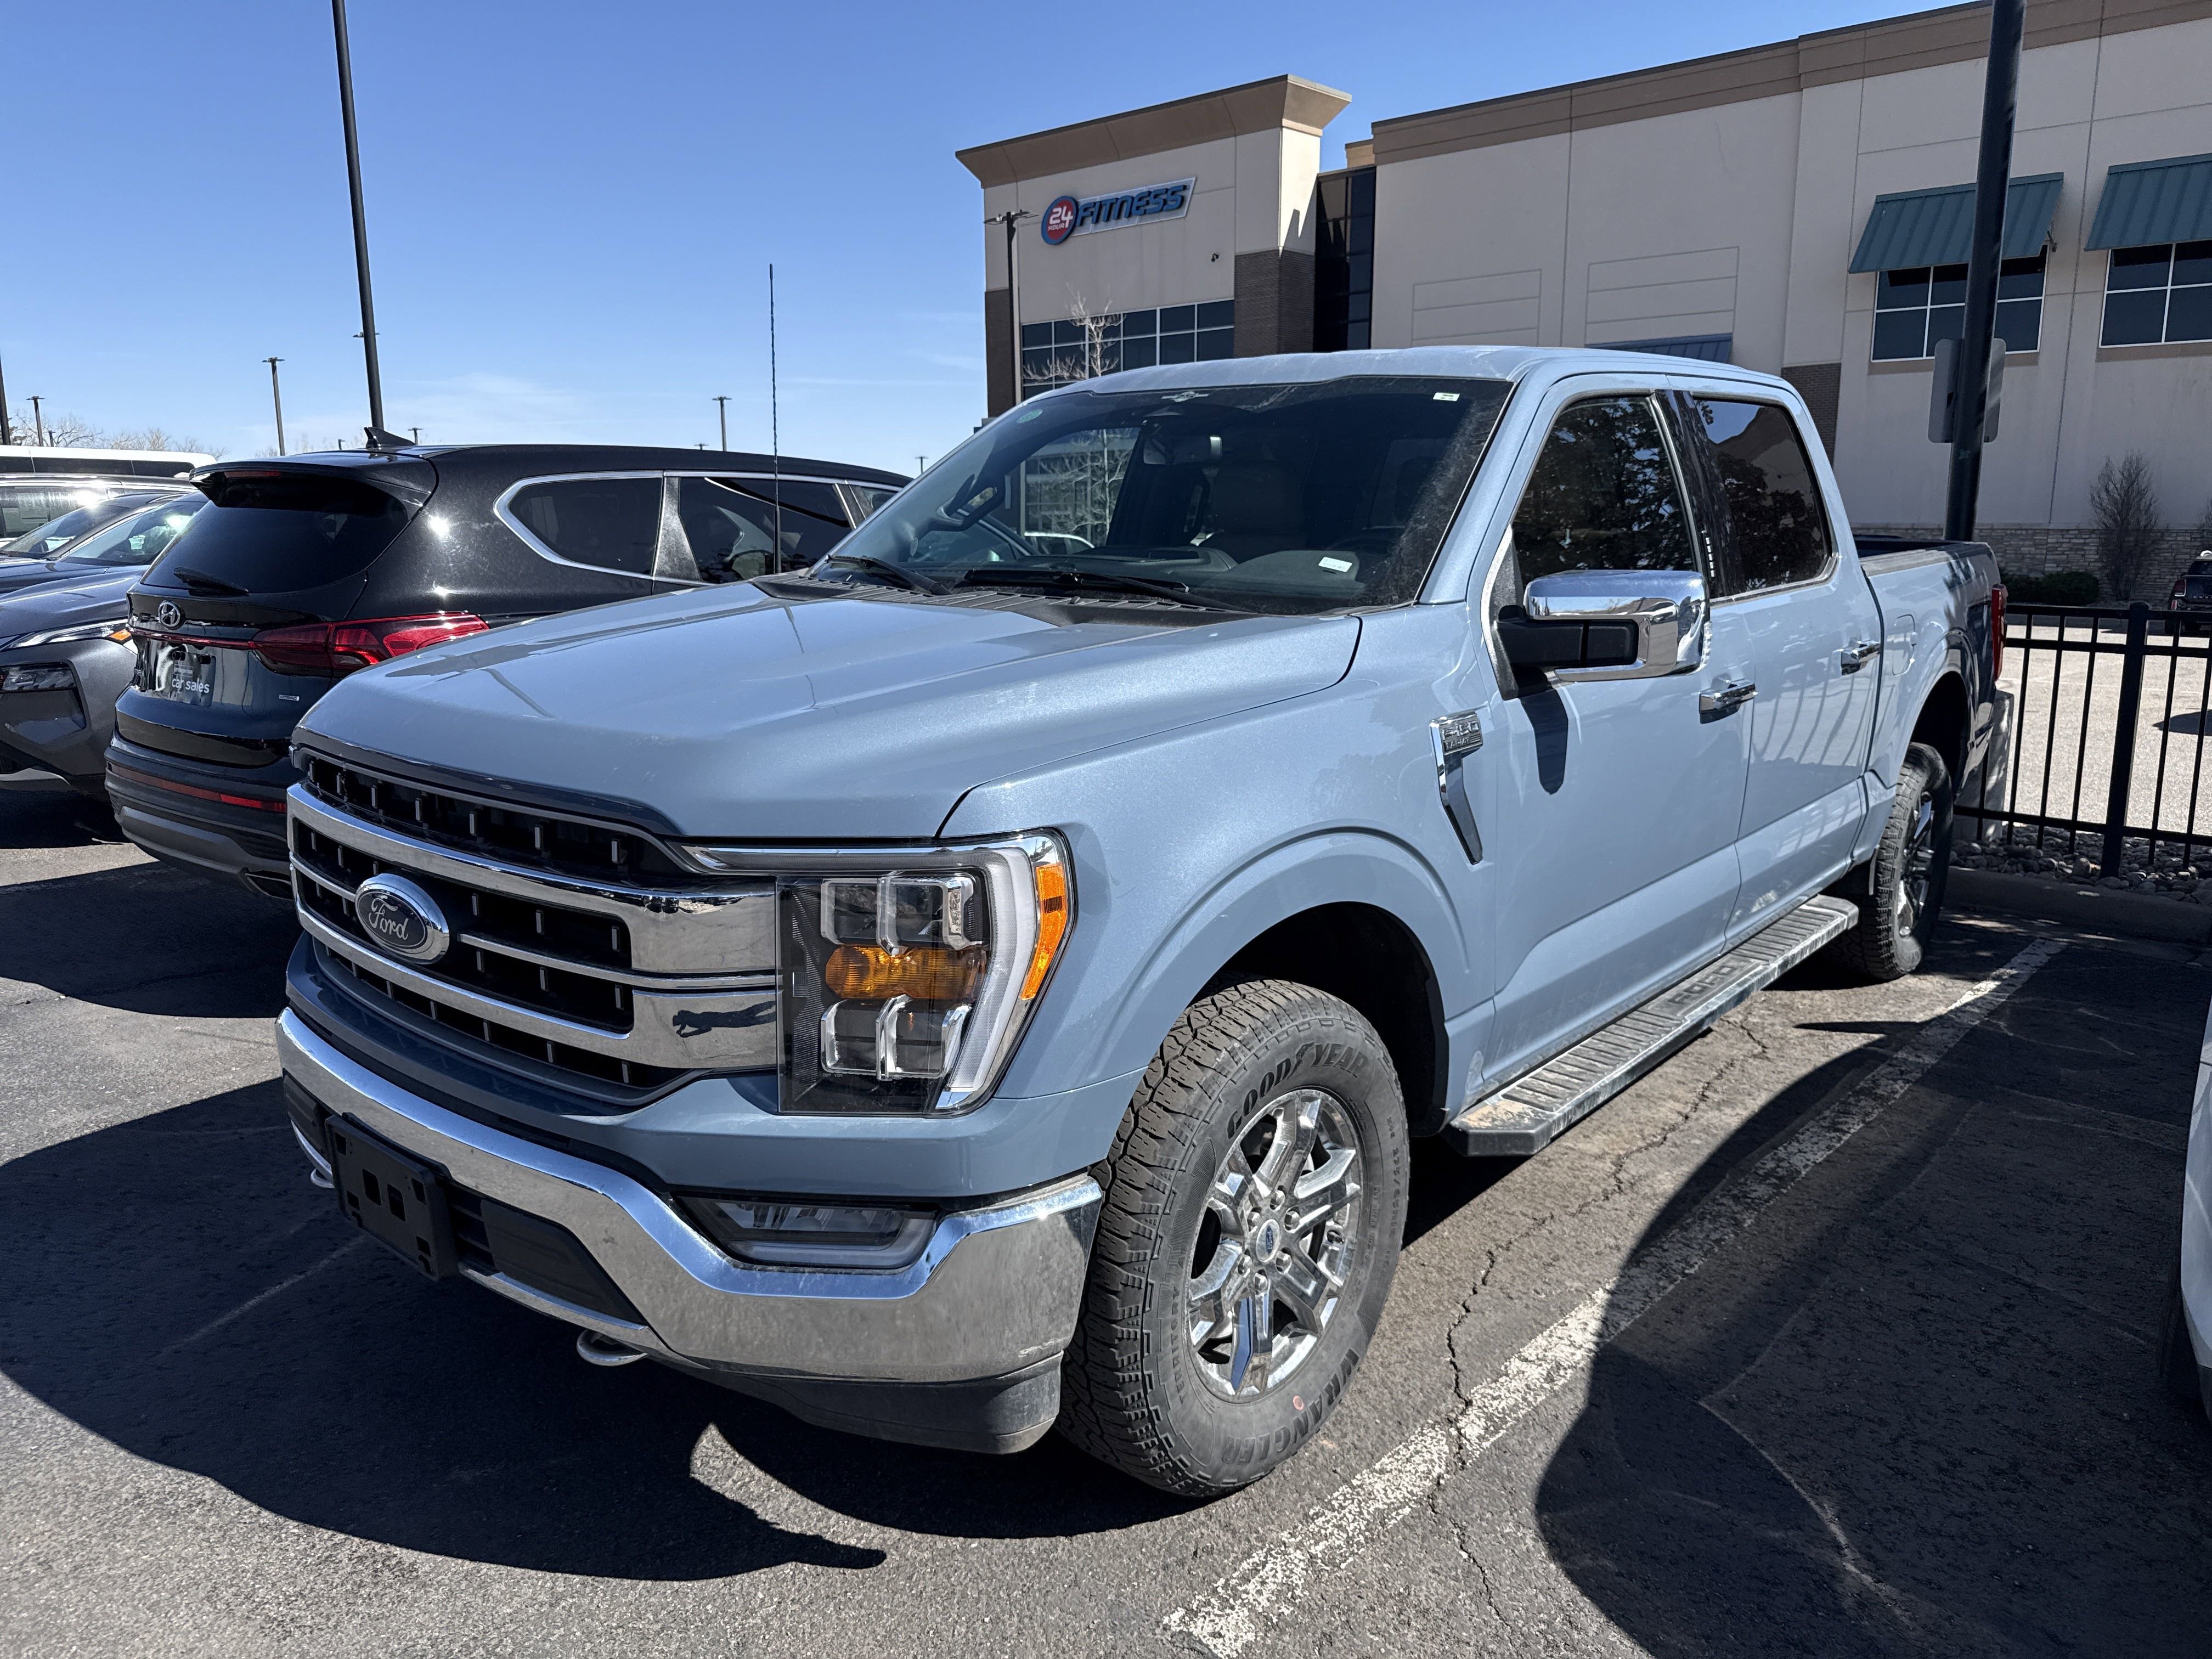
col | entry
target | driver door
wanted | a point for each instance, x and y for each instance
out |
(1611, 807)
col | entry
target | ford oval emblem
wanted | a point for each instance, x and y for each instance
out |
(168, 613)
(401, 919)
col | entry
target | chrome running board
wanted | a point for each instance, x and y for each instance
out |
(1529, 1113)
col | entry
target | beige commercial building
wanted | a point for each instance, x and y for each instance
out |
(1801, 208)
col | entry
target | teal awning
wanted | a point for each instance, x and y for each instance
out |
(2147, 203)
(1936, 226)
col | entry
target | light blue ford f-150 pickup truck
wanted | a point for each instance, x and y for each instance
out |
(992, 977)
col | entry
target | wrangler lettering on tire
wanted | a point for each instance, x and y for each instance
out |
(1254, 1204)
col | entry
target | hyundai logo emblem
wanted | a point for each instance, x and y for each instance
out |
(400, 918)
(168, 613)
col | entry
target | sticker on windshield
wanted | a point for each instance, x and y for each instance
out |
(1446, 397)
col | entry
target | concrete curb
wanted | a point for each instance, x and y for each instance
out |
(2100, 909)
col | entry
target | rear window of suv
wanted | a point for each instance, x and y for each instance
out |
(279, 532)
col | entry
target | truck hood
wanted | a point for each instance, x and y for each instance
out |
(739, 714)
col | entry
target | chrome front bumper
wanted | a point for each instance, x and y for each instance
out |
(995, 1290)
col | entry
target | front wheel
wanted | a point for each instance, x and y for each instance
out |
(1903, 886)
(1250, 1230)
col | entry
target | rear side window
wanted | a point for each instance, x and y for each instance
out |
(24, 508)
(281, 532)
(610, 524)
(866, 498)
(1776, 529)
(1604, 496)
(731, 525)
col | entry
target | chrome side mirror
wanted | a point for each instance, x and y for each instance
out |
(1608, 625)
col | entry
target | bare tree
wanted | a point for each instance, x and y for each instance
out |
(2202, 541)
(1096, 350)
(63, 431)
(2126, 503)
(154, 438)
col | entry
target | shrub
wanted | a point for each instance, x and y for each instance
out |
(2059, 587)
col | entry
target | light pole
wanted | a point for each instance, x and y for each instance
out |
(921, 465)
(6, 437)
(1010, 219)
(276, 396)
(722, 413)
(376, 432)
(1985, 255)
(39, 421)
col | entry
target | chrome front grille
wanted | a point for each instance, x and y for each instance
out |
(514, 834)
(614, 983)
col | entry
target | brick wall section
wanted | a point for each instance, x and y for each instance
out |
(1274, 302)
(1821, 387)
(2043, 550)
(998, 349)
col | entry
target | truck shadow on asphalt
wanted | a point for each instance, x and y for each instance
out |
(150, 940)
(175, 1286)
(1916, 1410)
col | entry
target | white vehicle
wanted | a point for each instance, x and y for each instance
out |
(2185, 1345)
(38, 483)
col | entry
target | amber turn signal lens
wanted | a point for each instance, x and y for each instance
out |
(928, 973)
(1051, 880)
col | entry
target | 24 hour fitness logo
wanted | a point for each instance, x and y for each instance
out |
(1071, 215)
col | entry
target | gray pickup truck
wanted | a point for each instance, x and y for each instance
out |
(992, 978)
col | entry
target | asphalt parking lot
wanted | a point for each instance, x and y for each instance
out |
(1833, 1336)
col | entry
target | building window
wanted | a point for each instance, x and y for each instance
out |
(2157, 294)
(1344, 261)
(1705, 348)
(1059, 354)
(1914, 309)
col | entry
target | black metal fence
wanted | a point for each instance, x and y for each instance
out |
(2100, 749)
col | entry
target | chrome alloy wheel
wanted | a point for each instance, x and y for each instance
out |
(1275, 1245)
(1919, 868)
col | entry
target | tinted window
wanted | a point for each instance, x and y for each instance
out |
(280, 532)
(610, 523)
(1777, 531)
(869, 497)
(1604, 495)
(732, 529)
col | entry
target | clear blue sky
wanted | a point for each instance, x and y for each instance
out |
(572, 207)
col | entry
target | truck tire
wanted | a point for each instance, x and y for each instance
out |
(1902, 891)
(2177, 1355)
(1254, 1204)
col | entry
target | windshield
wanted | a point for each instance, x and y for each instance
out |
(54, 535)
(138, 539)
(1290, 499)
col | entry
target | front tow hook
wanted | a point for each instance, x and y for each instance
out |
(596, 1349)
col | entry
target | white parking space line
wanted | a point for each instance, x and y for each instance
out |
(255, 1301)
(1230, 1618)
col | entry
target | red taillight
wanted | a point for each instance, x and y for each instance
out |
(338, 648)
(1996, 631)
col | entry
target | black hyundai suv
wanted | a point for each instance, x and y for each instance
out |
(300, 570)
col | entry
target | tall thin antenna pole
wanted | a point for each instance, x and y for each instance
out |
(5, 436)
(774, 423)
(722, 410)
(360, 224)
(276, 396)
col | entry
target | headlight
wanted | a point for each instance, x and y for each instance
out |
(905, 978)
(38, 677)
(118, 629)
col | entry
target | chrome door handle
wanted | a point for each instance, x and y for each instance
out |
(1726, 698)
(1856, 657)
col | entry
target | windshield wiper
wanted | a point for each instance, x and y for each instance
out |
(200, 585)
(882, 567)
(1065, 578)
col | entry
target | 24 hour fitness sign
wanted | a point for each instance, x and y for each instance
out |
(1068, 216)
